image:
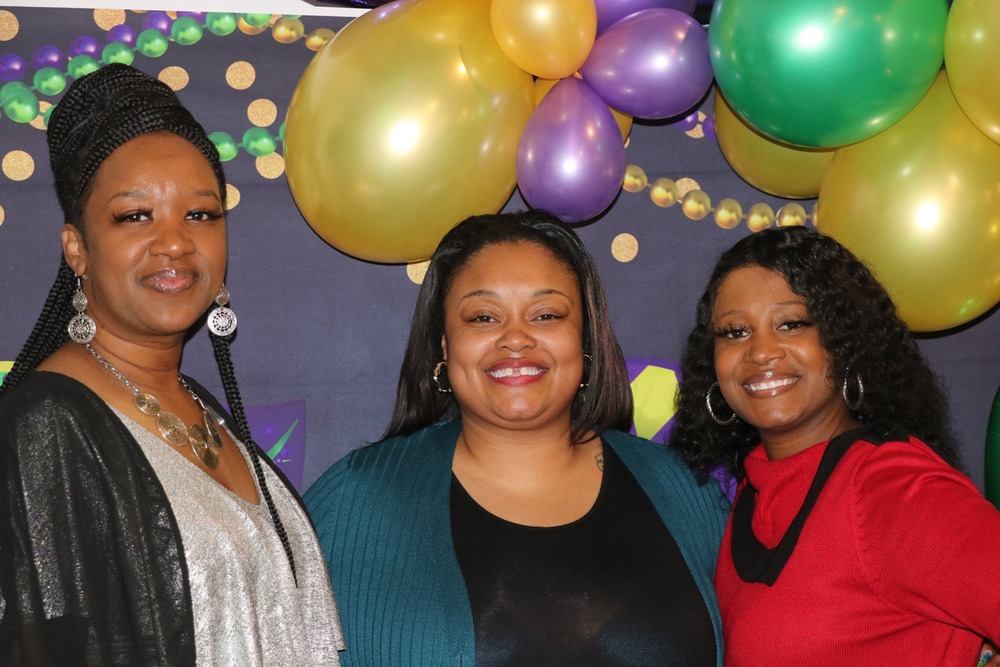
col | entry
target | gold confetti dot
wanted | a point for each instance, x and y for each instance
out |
(317, 38)
(271, 166)
(635, 179)
(9, 26)
(416, 271)
(39, 122)
(624, 247)
(232, 197)
(262, 112)
(106, 19)
(3, 215)
(18, 166)
(698, 132)
(287, 31)
(241, 75)
(686, 185)
(248, 29)
(175, 77)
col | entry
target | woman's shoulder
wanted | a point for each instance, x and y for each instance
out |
(387, 462)
(46, 394)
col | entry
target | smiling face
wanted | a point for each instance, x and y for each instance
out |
(513, 338)
(771, 366)
(154, 249)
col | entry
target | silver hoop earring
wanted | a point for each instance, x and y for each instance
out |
(222, 320)
(439, 369)
(711, 412)
(82, 327)
(856, 403)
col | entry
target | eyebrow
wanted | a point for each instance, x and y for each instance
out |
(797, 302)
(490, 294)
(137, 193)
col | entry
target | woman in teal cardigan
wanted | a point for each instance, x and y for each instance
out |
(507, 517)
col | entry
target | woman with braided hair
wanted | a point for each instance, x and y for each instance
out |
(137, 526)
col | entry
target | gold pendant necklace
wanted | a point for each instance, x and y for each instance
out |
(204, 438)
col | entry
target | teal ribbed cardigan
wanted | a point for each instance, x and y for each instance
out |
(382, 516)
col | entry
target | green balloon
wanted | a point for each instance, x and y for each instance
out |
(993, 454)
(186, 31)
(49, 81)
(220, 24)
(258, 142)
(46, 114)
(256, 20)
(20, 104)
(151, 43)
(116, 52)
(825, 73)
(82, 65)
(225, 144)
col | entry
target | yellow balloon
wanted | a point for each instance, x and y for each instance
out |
(402, 125)
(787, 171)
(549, 38)
(971, 53)
(920, 203)
(622, 120)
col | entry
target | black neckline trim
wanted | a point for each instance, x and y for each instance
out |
(756, 563)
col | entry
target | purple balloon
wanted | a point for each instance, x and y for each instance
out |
(611, 11)
(11, 68)
(651, 64)
(122, 33)
(160, 21)
(197, 16)
(48, 56)
(84, 46)
(708, 127)
(571, 157)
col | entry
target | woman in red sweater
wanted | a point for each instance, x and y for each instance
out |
(854, 537)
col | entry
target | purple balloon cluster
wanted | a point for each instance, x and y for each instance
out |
(649, 60)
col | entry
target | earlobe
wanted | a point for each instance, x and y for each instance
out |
(74, 249)
(444, 348)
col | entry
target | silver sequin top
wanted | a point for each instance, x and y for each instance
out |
(247, 609)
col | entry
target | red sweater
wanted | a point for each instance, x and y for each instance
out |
(898, 563)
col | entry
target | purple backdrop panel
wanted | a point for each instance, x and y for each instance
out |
(280, 430)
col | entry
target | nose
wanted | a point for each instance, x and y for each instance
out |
(763, 348)
(515, 337)
(172, 238)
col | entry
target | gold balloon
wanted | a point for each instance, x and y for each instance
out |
(664, 192)
(920, 203)
(404, 124)
(971, 52)
(787, 171)
(549, 38)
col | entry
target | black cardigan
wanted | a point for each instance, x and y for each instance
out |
(92, 569)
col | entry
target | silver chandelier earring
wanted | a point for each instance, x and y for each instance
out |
(82, 328)
(440, 378)
(844, 391)
(711, 412)
(222, 320)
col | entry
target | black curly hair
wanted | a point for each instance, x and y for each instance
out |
(858, 326)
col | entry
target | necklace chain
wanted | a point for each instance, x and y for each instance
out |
(204, 438)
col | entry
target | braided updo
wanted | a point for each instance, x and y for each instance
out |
(104, 110)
